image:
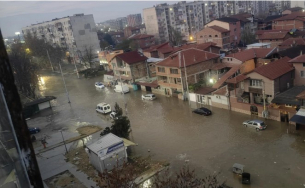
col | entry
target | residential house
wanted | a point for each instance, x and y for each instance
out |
(231, 24)
(159, 51)
(294, 20)
(274, 38)
(250, 58)
(291, 42)
(106, 58)
(214, 34)
(248, 91)
(128, 31)
(292, 10)
(286, 103)
(143, 41)
(299, 65)
(289, 52)
(247, 22)
(182, 68)
(266, 24)
(208, 46)
(129, 66)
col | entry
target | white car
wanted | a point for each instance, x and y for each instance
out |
(121, 89)
(103, 108)
(149, 97)
(99, 85)
(112, 115)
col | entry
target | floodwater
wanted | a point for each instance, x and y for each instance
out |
(170, 131)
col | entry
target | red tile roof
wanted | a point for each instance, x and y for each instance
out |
(237, 79)
(299, 59)
(141, 36)
(272, 35)
(293, 41)
(132, 57)
(293, 16)
(221, 91)
(202, 46)
(204, 90)
(301, 95)
(166, 49)
(219, 29)
(158, 47)
(251, 53)
(231, 72)
(275, 69)
(192, 56)
(260, 32)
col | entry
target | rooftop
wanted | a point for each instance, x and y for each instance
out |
(251, 53)
(292, 16)
(228, 19)
(220, 91)
(140, 36)
(132, 57)
(298, 59)
(293, 9)
(205, 90)
(237, 79)
(272, 35)
(41, 100)
(192, 56)
(293, 51)
(228, 74)
(270, 18)
(275, 69)
(293, 41)
(289, 96)
(104, 142)
(219, 29)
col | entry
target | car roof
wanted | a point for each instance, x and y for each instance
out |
(150, 94)
(258, 121)
(102, 104)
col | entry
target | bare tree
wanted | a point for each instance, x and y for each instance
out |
(247, 36)
(175, 37)
(88, 56)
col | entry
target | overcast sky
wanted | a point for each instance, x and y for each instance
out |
(18, 14)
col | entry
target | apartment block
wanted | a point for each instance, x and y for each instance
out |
(74, 33)
(134, 20)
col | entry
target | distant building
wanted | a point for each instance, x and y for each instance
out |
(128, 31)
(292, 10)
(134, 20)
(297, 4)
(143, 41)
(74, 33)
(215, 34)
(294, 20)
(299, 65)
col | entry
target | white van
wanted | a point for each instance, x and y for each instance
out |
(121, 89)
(103, 108)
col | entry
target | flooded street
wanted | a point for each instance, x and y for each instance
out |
(168, 128)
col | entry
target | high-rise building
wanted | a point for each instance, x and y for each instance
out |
(74, 33)
(297, 4)
(134, 20)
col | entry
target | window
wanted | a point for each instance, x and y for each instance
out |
(216, 35)
(288, 85)
(161, 69)
(256, 83)
(177, 80)
(288, 105)
(302, 74)
(210, 35)
(303, 64)
(174, 71)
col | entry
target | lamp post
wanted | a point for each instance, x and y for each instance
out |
(75, 64)
(50, 60)
(63, 140)
(63, 79)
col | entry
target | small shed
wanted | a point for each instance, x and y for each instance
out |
(37, 105)
(107, 152)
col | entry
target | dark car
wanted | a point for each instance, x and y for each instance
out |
(203, 111)
(34, 130)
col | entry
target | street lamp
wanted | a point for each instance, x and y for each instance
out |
(63, 79)
(63, 140)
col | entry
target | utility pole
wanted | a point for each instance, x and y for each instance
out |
(123, 95)
(75, 65)
(63, 140)
(264, 113)
(187, 85)
(64, 83)
(50, 60)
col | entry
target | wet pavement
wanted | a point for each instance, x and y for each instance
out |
(170, 131)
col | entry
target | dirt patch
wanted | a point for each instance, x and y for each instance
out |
(80, 158)
(64, 179)
(84, 131)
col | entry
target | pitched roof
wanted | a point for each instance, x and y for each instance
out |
(192, 56)
(272, 35)
(292, 52)
(219, 29)
(260, 32)
(242, 16)
(111, 55)
(202, 46)
(289, 96)
(41, 100)
(251, 53)
(228, 19)
(299, 59)
(157, 47)
(220, 91)
(292, 16)
(228, 74)
(275, 69)
(295, 9)
(140, 36)
(293, 41)
(270, 18)
(237, 79)
(301, 95)
(204, 90)
(132, 57)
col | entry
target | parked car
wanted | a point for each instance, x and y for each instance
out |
(257, 124)
(121, 89)
(34, 130)
(103, 108)
(149, 97)
(99, 85)
(203, 111)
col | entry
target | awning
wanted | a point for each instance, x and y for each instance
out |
(298, 119)
(153, 84)
(128, 142)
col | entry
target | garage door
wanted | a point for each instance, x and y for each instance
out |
(44, 105)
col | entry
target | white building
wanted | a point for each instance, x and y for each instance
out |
(74, 33)
(107, 152)
(297, 4)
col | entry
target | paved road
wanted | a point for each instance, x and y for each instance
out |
(169, 129)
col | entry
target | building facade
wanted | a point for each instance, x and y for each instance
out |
(134, 20)
(215, 34)
(74, 33)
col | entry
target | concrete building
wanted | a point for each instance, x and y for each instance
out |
(214, 34)
(294, 20)
(299, 65)
(134, 20)
(74, 33)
